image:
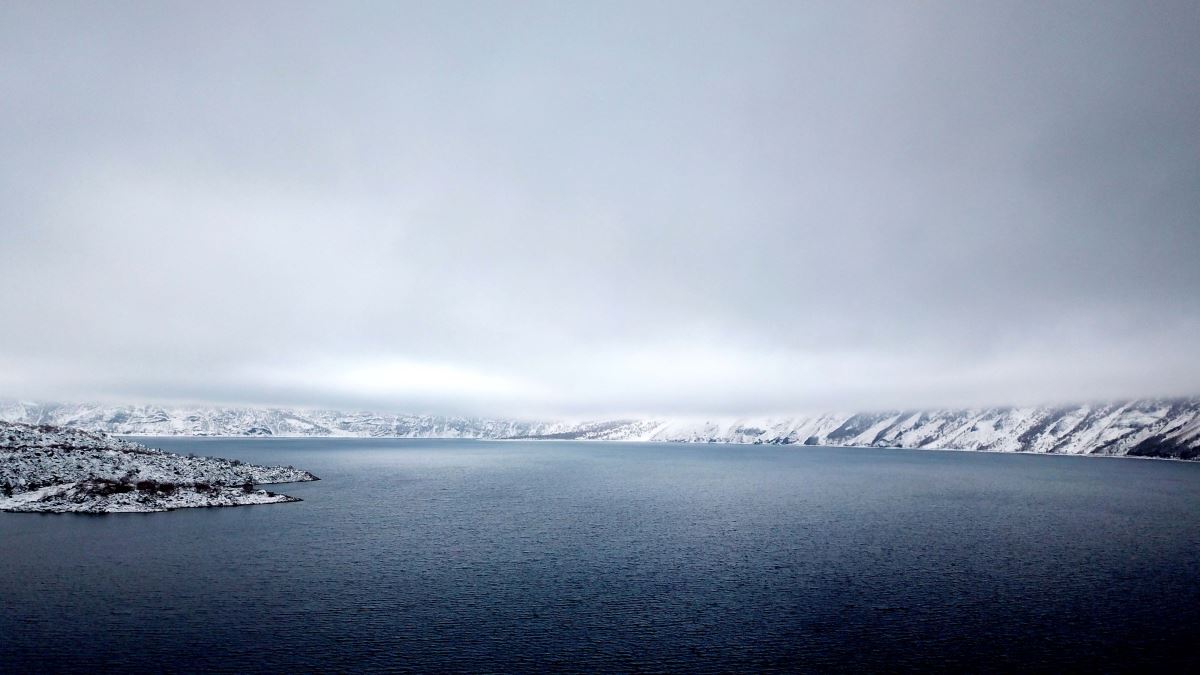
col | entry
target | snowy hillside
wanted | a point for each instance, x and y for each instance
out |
(149, 420)
(1150, 428)
(45, 468)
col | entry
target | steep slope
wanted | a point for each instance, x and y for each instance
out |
(1148, 428)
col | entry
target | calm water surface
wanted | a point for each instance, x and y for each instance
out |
(507, 556)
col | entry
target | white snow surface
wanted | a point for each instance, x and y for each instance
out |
(58, 469)
(1145, 427)
(81, 498)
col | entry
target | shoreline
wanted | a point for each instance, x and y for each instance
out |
(63, 470)
(610, 440)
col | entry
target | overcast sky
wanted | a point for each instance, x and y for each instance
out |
(578, 209)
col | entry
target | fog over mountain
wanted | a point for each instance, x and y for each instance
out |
(610, 211)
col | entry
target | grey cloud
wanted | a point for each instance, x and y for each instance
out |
(680, 207)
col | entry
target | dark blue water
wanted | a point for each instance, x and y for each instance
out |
(450, 555)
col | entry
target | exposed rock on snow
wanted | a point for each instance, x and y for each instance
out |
(1148, 428)
(55, 469)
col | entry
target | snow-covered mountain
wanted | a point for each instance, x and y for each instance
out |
(1146, 428)
(152, 420)
(57, 469)
(1150, 427)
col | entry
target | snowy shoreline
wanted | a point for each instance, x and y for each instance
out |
(45, 469)
(599, 441)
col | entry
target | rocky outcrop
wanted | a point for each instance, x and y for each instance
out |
(55, 469)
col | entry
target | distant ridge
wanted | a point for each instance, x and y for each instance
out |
(1142, 428)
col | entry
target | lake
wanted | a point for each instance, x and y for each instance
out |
(527, 556)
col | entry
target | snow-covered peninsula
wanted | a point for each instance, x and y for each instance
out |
(53, 469)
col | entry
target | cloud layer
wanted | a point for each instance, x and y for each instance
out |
(554, 208)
